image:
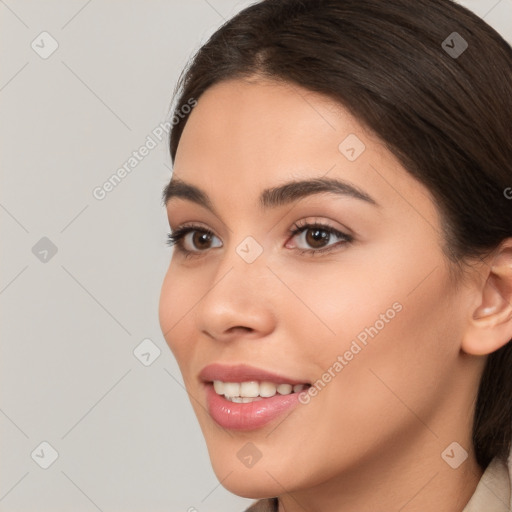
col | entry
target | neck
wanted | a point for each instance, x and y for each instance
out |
(418, 481)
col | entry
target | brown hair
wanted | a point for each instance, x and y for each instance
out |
(447, 117)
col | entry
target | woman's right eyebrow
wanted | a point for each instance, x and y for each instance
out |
(272, 197)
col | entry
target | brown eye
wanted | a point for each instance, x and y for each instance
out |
(316, 238)
(201, 240)
(191, 239)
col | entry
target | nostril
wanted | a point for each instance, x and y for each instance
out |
(242, 327)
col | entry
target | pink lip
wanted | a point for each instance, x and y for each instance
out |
(250, 416)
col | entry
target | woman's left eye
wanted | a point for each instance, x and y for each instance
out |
(315, 235)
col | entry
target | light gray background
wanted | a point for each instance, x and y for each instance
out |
(126, 436)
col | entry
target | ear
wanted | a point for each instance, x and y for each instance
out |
(490, 324)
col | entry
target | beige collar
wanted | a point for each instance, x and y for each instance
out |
(492, 494)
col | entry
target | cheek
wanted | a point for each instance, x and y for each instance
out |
(395, 326)
(177, 300)
(405, 365)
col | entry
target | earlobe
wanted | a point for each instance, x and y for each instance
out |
(490, 326)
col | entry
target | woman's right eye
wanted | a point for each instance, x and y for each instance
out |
(197, 238)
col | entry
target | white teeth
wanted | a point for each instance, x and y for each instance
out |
(231, 389)
(284, 389)
(218, 386)
(246, 400)
(250, 391)
(267, 389)
(243, 400)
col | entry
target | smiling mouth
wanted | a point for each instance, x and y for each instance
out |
(253, 391)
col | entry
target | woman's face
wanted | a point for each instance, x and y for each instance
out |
(370, 317)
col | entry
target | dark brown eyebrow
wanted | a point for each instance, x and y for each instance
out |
(271, 197)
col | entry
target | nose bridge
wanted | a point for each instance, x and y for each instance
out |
(239, 294)
(244, 267)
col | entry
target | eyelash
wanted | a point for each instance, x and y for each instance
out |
(176, 238)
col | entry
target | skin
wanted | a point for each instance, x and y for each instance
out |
(372, 439)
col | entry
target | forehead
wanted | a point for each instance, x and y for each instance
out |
(265, 119)
(244, 137)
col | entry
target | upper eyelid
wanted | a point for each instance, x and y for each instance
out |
(298, 225)
(305, 221)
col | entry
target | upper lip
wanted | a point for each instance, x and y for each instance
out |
(243, 373)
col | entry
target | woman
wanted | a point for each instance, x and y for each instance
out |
(339, 299)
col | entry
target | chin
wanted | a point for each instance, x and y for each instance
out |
(248, 484)
(265, 479)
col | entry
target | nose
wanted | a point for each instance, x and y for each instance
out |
(240, 300)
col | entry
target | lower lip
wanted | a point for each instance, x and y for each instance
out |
(250, 416)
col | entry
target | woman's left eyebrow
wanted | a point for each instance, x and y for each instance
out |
(272, 197)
